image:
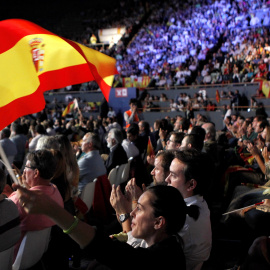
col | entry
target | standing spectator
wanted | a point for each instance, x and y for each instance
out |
(132, 116)
(111, 113)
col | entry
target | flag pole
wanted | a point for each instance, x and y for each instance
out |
(7, 165)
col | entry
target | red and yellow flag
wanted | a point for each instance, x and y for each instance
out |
(34, 60)
(68, 109)
(266, 88)
(150, 149)
(217, 96)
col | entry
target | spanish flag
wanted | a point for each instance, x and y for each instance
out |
(217, 96)
(266, 88)
(34, 60)
(70, 107)
(150, 149)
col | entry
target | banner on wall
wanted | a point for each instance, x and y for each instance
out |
(139, 82)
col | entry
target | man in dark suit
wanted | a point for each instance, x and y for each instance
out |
(117, 155)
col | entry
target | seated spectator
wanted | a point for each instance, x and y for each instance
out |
(194, 141)
(197, 249)
(258, 255)
(210, 106)
(90, 164)
(257, 95)
(94, 242)
(210, 143)
(223, 94)
(9, 219)
(38, 172)
(207, 79)
(117, 155)
(161, 170)
(174, 141)
(130, 148)
(173, 105)
(163, 97)
(199, 78)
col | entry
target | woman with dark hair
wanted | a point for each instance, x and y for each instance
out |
(154, 220)
(72, 168)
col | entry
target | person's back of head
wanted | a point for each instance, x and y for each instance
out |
(185, 124)
(17, 128)
(210, 131)
(133, 129)
(198, 130)
(47, 142)
(65, 146)
(40, 129)
(5, 133)
(133, 101)
(145, 125)
(165, 125)
(60, 178)
(194, 141)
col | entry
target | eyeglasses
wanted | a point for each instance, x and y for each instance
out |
(171, 141)
(32, 168)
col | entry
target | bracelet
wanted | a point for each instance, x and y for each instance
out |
(72, 227)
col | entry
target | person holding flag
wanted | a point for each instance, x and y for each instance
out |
(73, 105)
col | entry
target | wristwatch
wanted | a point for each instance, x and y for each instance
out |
(124, 217)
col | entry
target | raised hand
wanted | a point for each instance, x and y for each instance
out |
(119, 202)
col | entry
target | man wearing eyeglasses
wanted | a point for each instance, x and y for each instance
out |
(37, 174)
(175, 140)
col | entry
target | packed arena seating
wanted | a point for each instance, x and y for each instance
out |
(201, 60)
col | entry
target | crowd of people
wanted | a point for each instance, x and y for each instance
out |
(197, 42)
(228, 167)
(206, 43)
(182, 167)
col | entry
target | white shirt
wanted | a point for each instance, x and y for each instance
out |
(228, 113)
(34, 141)
(130, 148)
(197, 234)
